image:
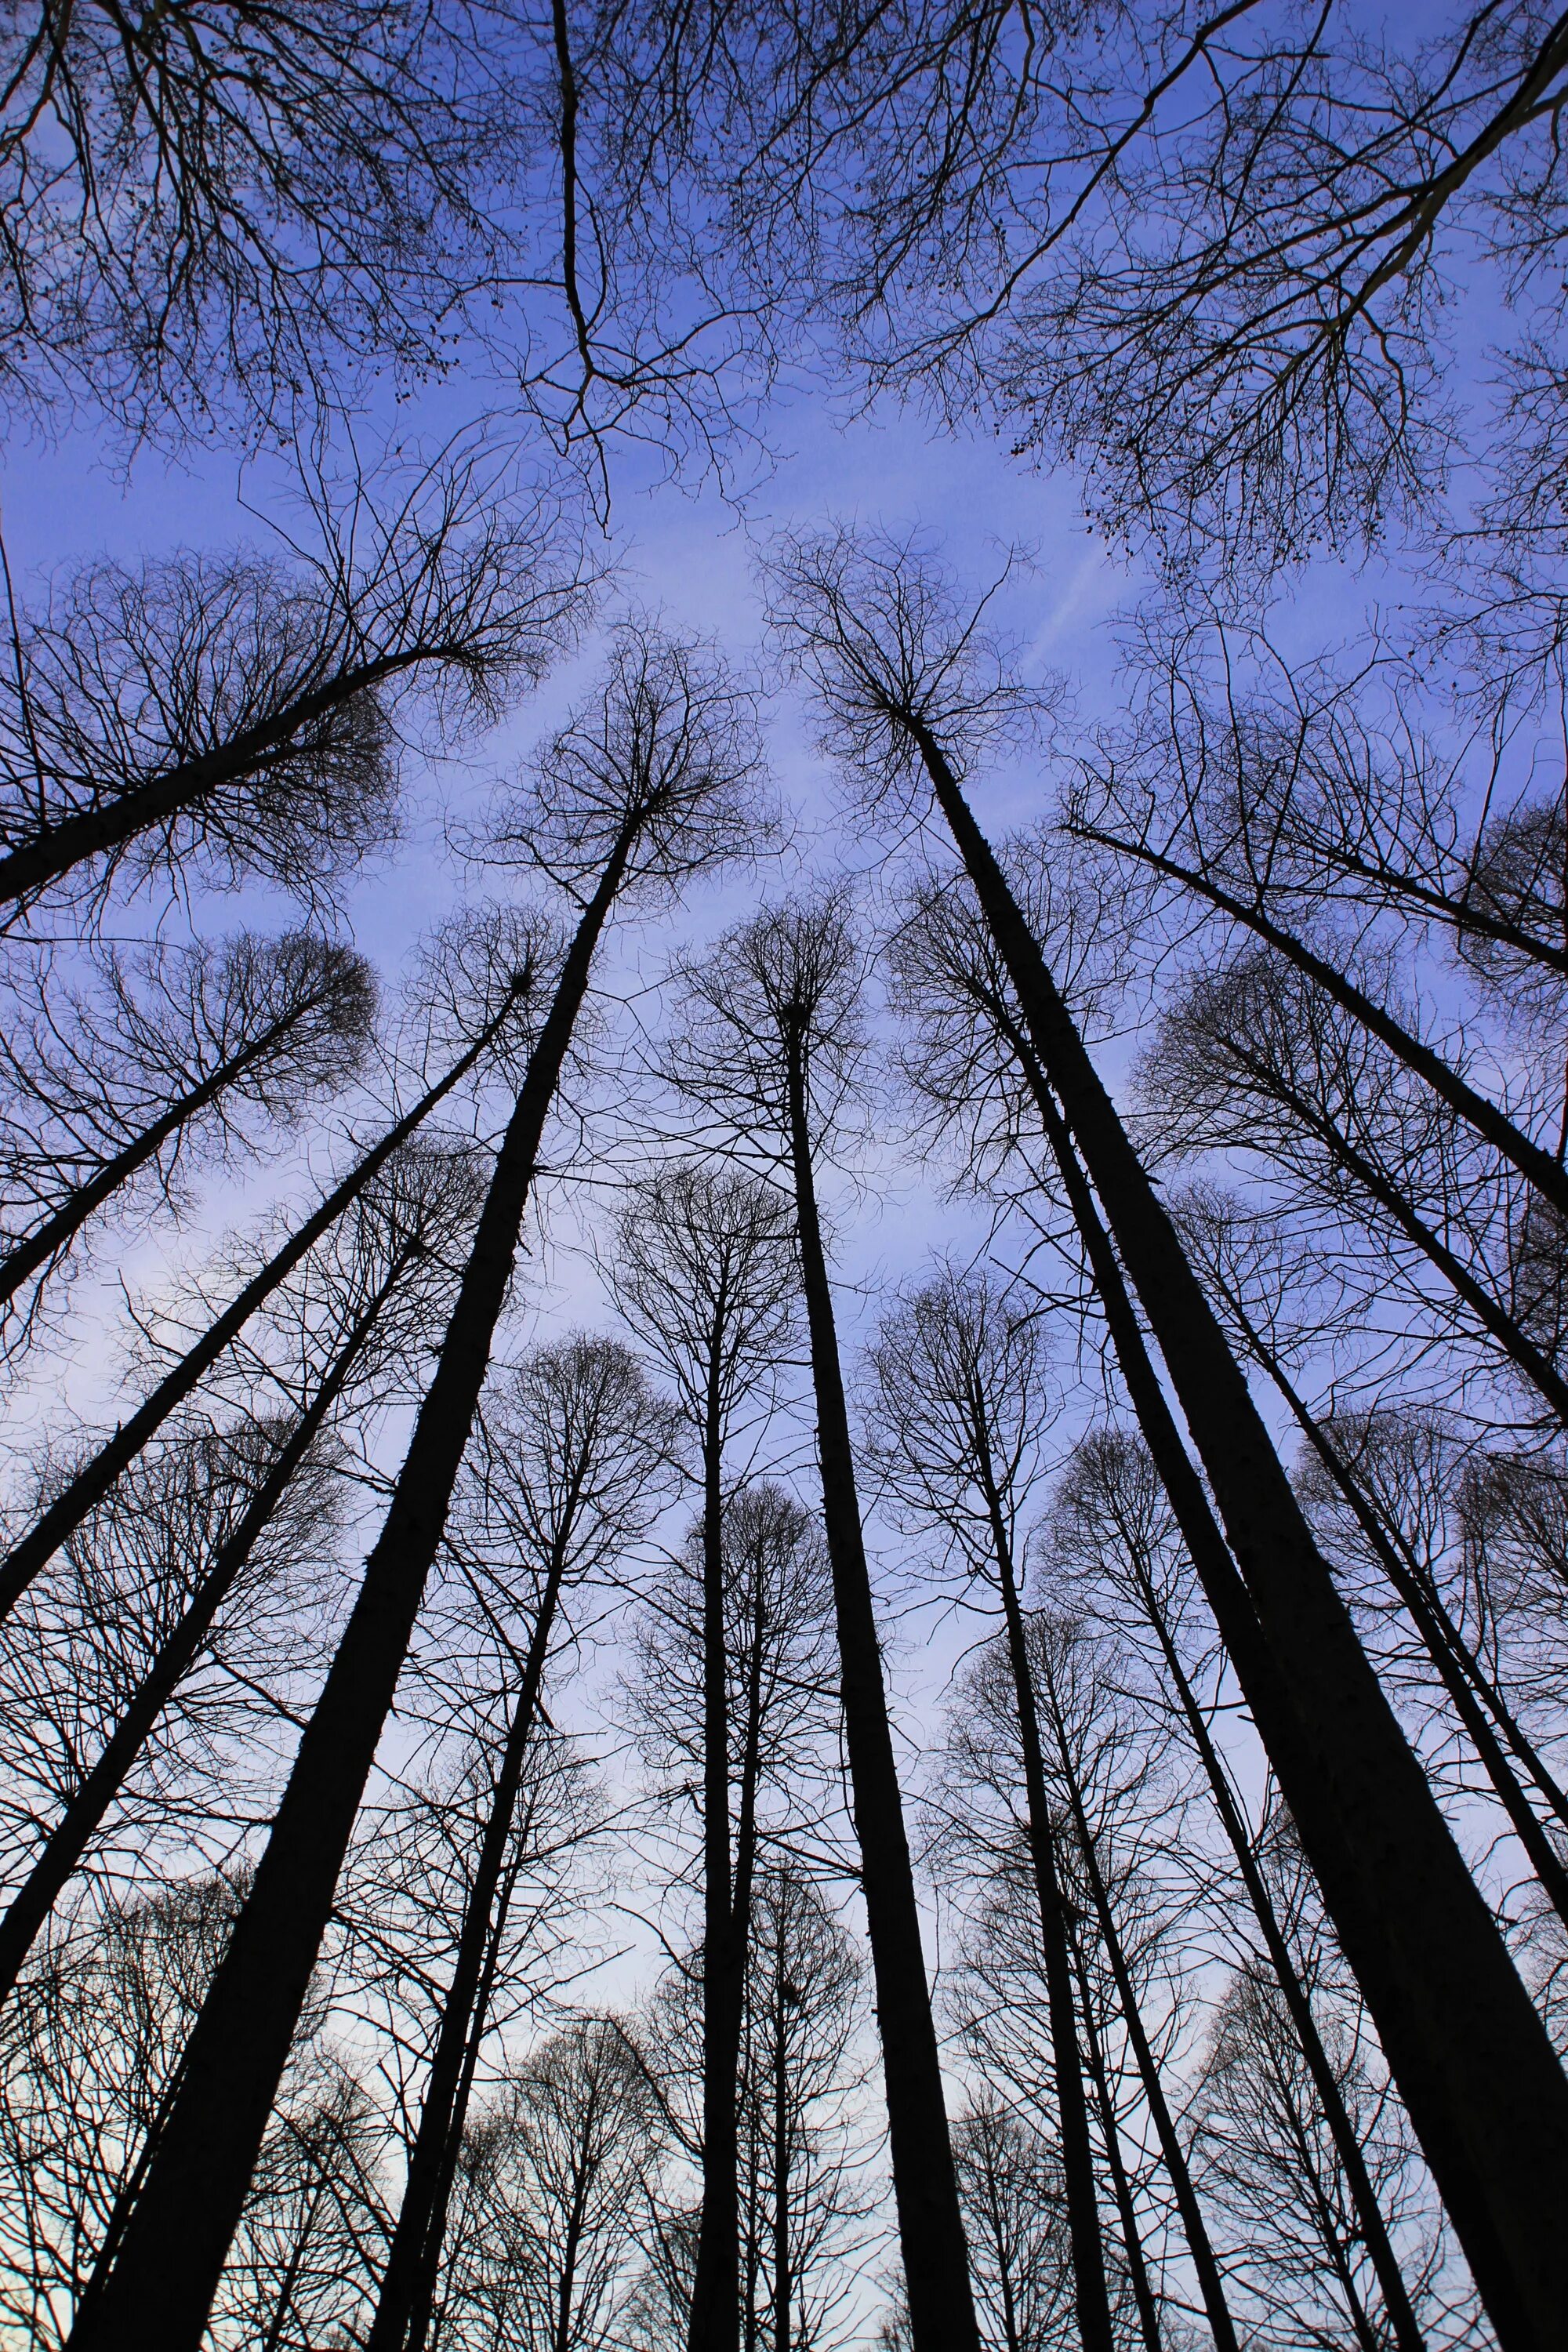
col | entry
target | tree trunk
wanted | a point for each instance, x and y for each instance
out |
(1091, 2296)
(422, 2216)
(1211, 2284)
(55, 1234)
(1536, 1164)
(931, 2226)
(72, 1834)
(1121, 2187)
(93, 1481)
(715, 2317)
(1458, 1667)
(1467, 2049)
(1238, 1628)
(161, 2286)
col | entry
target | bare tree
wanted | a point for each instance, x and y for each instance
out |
(1251, 1057)
(799, 2161)
(775, 1709)
(513, 1005)
(770, 1051)
(573, 1464)
(237, 1504)
(1209, 253)
(242, 714)
(1111, 1523)
(650, 784)
(702, 1267)
(212, 210)
(184, 1054)
(1011, 2187)
(959, 1405)
(900, 668)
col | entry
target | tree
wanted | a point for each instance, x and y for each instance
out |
(240, 716)
(775, 1696)
(213, 211)
(1011, 2187)
(702, 1268)
(959, 1402)
(1208, 254)
(770, 1051)
(513, 1005)
(213, 1521)
(900, 670)
(799, 2159)
(1111, 1524)
(184, 1054)
(647, 786)
(571, 1469)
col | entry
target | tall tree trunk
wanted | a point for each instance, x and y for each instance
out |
(1144, 2293)
(931, 2226)
(161, 2289)
(1470, 2055)
(1529, 1360)
(783, 2284)
(1211, 2284)
(72, 1834)
(715, 2317)
(1090, 2292)
(421, 2215)
(1238, 1628)
(87, 1489)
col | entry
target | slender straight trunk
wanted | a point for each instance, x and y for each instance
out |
(98, 832)
(423, 2318)
(72, 1834)
(931, 2225)
(1238, 1628)
(783, 2284)
(1515, 1343)
(56, 1233)
(1090, 2293)
(421, 2215)
(160, 2292)
(1470, 1689)
(1536, 1165)
(1211, 2284)
(715, 2317)
(1121, 2187)
(1471, 2057)
(84, 1492)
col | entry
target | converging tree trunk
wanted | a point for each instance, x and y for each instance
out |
(1467, 2049)
(931, 2228)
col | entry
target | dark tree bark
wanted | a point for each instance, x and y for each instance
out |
(92, 1482)
(1469, 2053)
(715, 2321)
(110, 828)
(161, 2287)
(931, 2228)
(332, 977)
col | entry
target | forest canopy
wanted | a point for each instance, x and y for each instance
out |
(783, 1176)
